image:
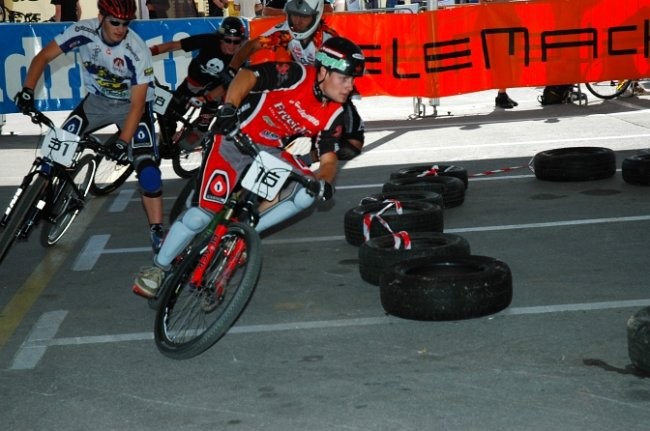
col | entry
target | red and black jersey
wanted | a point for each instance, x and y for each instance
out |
(283, 104)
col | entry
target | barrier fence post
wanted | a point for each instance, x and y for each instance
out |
(419, 107)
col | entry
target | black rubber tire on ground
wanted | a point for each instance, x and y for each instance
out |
(636, 169)
(443, 170)
(575, 164)
(378, 254)
(417, 216)
(22, 208)
(405, 196)
(451, 188)
(638, 339)
(446, 288)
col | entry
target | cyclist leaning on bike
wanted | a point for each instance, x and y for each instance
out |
(204, 84)
(269, 102)
(298, 38)
(118, 77)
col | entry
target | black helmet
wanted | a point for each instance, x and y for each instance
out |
(232, 26)
(341, 55)
(120, 9)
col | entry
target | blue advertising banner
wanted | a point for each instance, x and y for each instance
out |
(60, 88)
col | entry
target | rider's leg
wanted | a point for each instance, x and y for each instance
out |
(293, 200)
(193, 221)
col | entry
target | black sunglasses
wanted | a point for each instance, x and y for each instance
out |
(117, 23)
(231, 41)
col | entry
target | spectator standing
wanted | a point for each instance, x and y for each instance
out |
(502, 100)
(66, 10)
(248, 8)
(216, 7)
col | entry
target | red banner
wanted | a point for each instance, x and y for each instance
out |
(500, 45)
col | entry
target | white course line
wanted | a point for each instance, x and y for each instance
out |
(41, 337)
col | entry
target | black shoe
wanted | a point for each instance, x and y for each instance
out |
(504, 101)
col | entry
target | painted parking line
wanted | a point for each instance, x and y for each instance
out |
(42, 336)
(96, 245)
(22, 301)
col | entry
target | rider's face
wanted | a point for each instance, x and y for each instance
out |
(114, 30)
(230, 44)
(335, 85)
(300, 23)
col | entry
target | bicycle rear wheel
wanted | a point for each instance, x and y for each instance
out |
(187, 163)
(110, 175)
(28, 200)
(608, 89)
(193, 318)
(66, 203)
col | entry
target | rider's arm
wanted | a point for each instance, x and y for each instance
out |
(40, 62)
(327, 168)
(249, 48)
(240, 86)
(165, 47)
(138, 101)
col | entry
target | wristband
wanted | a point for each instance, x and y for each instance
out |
(154, 50)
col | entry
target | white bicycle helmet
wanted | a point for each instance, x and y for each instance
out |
(312, 8)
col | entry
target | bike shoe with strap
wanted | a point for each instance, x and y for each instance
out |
(148, 281)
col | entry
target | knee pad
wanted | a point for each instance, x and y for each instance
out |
(288, 207)
(149, 178)
(193, 221)
(196, 219)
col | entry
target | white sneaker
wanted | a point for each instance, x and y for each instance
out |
(148, 281)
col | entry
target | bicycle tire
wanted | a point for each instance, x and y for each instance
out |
(22, 209)
(608, 89)
(109, 175)
(186, 163)
(64, 209)
(188, 321)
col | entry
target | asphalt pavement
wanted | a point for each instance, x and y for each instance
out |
(314, 350)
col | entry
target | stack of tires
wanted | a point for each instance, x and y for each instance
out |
(422, 272)
(590, 163)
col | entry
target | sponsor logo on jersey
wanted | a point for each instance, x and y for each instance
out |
(218, 188)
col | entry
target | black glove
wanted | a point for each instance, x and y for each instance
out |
(321, 189)
(227, 75)
(118, 150)
(227, 120)
(24, 100)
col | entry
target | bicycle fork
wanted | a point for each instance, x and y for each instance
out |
(233, 255)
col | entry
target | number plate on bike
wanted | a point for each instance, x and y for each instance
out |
(266, 176)
(161, 100)
(60, 146)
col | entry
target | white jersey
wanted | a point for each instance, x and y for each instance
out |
(109, 71)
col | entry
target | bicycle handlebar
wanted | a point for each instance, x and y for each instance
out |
(246, 145)
(86, 141)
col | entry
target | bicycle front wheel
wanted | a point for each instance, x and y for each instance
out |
(608, 89)
(27, 202)
(192, 318)
(67, 204)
